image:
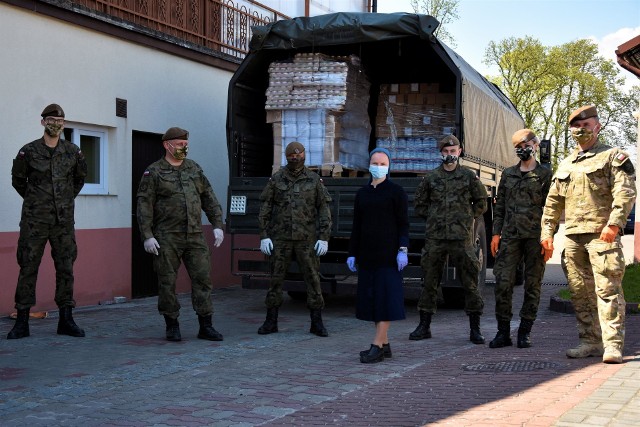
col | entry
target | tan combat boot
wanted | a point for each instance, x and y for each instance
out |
(585, 350)
(612, 355)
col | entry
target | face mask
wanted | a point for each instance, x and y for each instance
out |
(179, 153)
(581, 135)
(53, 129)
(524, 153)
(295, 164)
(448, 159)
(378, 172)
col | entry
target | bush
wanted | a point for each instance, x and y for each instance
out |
(630, 285)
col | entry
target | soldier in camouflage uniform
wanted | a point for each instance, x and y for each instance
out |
(449, 198)
(595, 186)
(516, 234)
(295, 212)
(48, 173)
(172, 194)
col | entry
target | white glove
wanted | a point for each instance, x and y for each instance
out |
(219, 237)
(151, 245)
(321, 247)
(266, 246)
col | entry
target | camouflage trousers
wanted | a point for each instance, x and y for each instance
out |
(595, 270)
(309, 263)
(510, 254)
(463, 257)
(64, 251)
(192, 249)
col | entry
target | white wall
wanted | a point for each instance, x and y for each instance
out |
(316, 7)
(45, 60)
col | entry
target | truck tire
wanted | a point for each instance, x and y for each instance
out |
(480, 235)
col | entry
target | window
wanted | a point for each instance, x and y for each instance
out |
(93, 143)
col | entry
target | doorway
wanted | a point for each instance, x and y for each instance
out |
(146, 148)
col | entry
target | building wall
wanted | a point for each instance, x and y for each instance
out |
(46, 60)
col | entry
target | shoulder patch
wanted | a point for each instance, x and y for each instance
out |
(21, 154)
(146, 173)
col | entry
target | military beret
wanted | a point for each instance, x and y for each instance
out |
(294, 147)
(175, 133)
(583, 113)
(448, 141)
(52, 110)
(523, 135)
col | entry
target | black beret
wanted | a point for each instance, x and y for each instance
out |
(448, 141)
(175, 133)
(52, 110)
(583, 113)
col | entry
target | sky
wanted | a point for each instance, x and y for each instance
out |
(609, 23)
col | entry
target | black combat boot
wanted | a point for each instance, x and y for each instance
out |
(207, 331)
(475, 336)
(173, 329)
(502, 338)
(524, 340)
(21, 327)
(316, 323)
(66, 325)
(374, 355)
(270, 324)
(423, 331)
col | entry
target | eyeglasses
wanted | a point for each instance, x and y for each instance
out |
(52, 121)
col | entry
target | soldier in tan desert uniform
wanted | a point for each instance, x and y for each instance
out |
(595, 186)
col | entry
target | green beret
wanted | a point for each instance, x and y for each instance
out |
(583, 113)
(175, 133)
(52, 110)
(523, 135)
(294, 147)
(448, 141)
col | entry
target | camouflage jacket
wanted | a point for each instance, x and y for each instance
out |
(520, 201)
(171, 199)
(449, 201)
(49, 181)
(295, 208)
(595, 189)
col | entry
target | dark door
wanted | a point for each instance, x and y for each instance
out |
(146, 148)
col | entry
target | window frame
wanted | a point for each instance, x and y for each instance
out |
(102, 134)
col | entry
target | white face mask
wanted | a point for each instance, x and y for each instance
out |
(378, 172)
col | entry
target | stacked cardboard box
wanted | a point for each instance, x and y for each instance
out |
(321, 102)
(411, 118)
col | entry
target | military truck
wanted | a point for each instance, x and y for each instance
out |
(418, 91)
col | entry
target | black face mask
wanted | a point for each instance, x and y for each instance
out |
(295, 165)
(524, 153)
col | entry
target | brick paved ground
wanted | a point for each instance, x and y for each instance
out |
(125, 374)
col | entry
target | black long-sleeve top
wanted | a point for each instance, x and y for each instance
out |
(380, 225)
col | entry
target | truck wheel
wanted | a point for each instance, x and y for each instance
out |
(480, 234)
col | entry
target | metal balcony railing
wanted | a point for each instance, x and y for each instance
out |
(219, 25)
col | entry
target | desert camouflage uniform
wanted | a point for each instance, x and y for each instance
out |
(295, 214)
(516, 219)
(170, 204)
(595, 189)
(48, 181)
(449, 201)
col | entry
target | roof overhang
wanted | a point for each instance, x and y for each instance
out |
(628, 55)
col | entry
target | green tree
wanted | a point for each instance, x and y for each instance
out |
(445, 11)
(547, 83)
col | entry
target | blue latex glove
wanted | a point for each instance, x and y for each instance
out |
(351, 263)
(402, 260)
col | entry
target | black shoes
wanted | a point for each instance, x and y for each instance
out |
(207, 331)
(374, 355)
(66, 324)
(423, 330)
(21, 327)
(270, 324)
(386, 350)
(173, 329)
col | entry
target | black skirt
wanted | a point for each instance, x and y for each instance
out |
(380, 295)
